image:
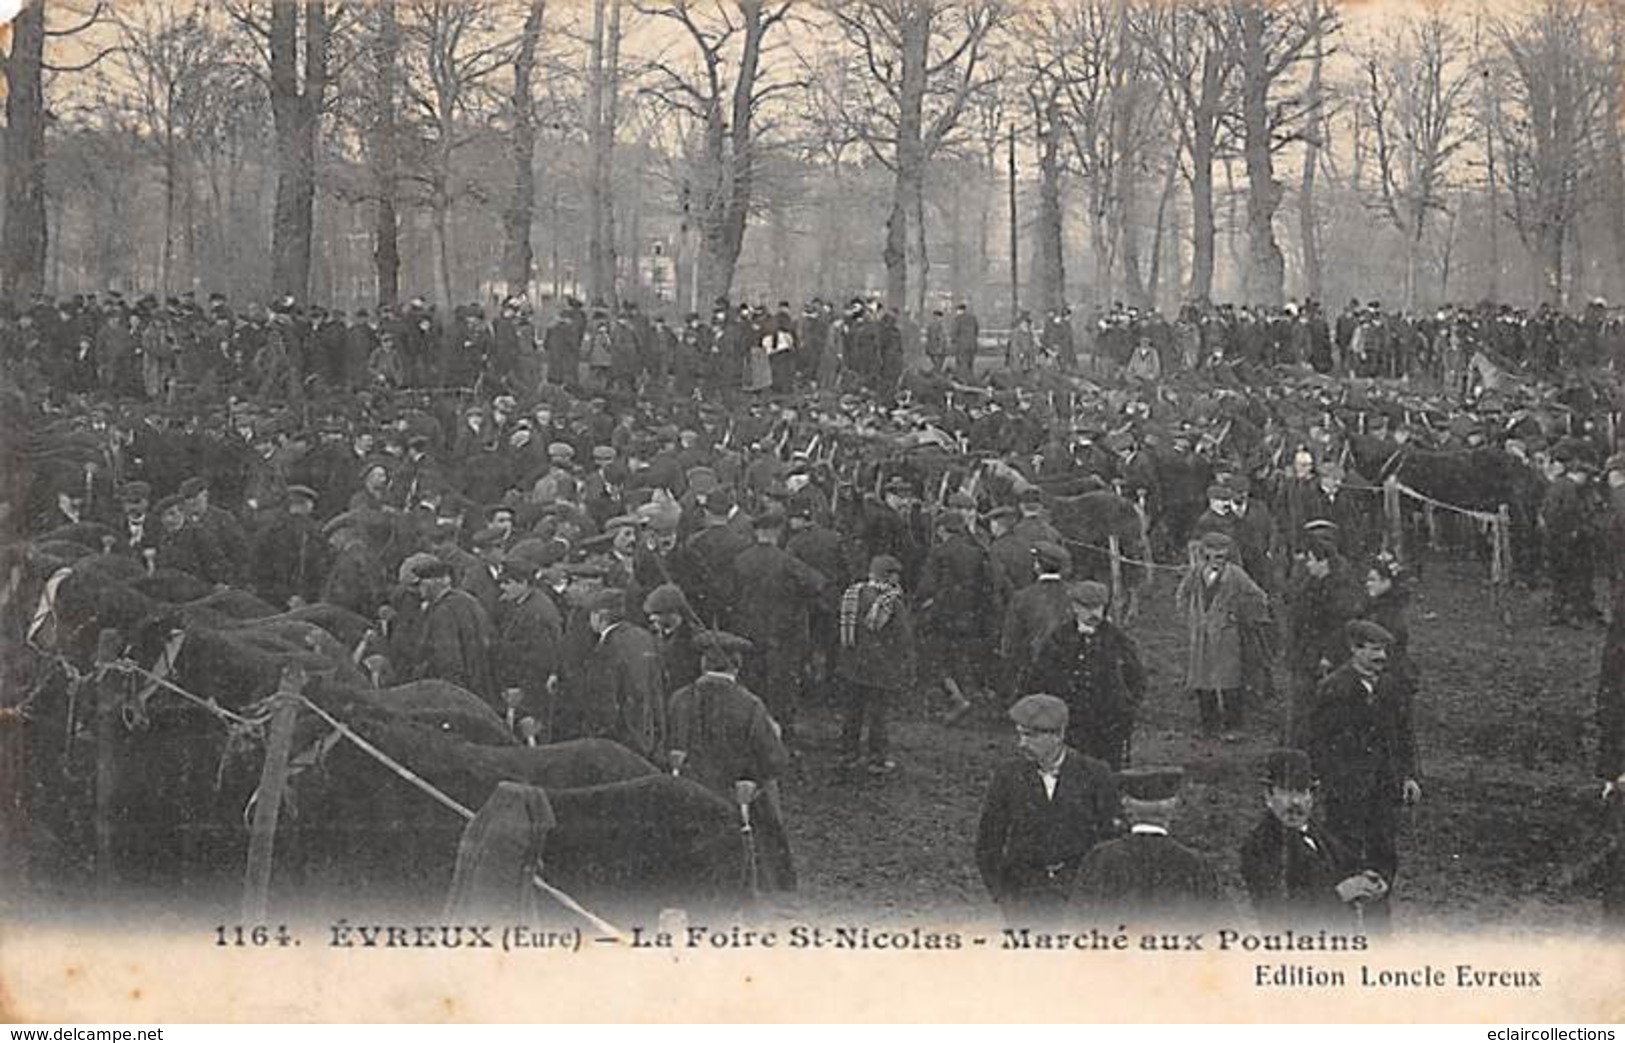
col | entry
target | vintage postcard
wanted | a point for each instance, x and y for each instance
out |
(812, 510)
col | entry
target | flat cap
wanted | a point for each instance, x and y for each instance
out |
(535, 554)
(603, 454)
(719, 644)
(1217, 541)
(1031, 494)
(411, 568)
(1287, 769)
(610, 599)
(302, 492)
(1150, 783)
(885, 565)
(1090, 593)
(623, 521)
(192, 486)
(1040, 713)
(432, 569)
(1365, 632)
(1218, 491)
(561, 451)
(668, 597)
(1320, 526)
(1051, 556)
(489, 537)
(130, 492)
(169, 503)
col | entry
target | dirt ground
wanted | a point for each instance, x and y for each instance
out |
(1504, 728)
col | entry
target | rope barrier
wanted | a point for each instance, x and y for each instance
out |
(210, 705)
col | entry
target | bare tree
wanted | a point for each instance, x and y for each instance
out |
(516, 218)
(725, 112)
(1556, 97)
(920, 64)
(1194, 56)
(603, 108)
(1416, 96)
(1272, 37)
(454, 49)
(23, 235)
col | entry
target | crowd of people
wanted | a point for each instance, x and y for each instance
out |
(678, 536)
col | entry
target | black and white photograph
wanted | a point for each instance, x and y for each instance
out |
(932, 482)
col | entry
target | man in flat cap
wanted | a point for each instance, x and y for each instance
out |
(1147, 875)
(1033, 613)
(1046, 807)
(1322, 596)
(877, 662)
(456, 639)
(1225, 613)
(1362, 743)
(721, 735)
(962, 601)
(1092, 665)
(527, 639)
(290, 559)
(775, 595)
(619, 695)
(1568, 521)
(1295, 871)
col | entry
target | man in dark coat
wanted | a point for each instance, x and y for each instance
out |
(139, 530)
(620, 693)
(358, 580)
(705, 566)
(527, 635)
(1566, 518)
(1297, 874)
(184, 544)
(775, 594)
(290, 556)
(723, 737)
(1045, 809)
(1322, 596)
(1147, 875)
(963, 335)
(1092, 666)
(456, 642)
(877, 661)
(819, 547)
(963, 604)
(1035, 611)
(1361, 741)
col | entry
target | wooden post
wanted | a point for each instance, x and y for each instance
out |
(1118, 599)
(273, 784)
(1391, 511)
(107, 715)
(1503, 540)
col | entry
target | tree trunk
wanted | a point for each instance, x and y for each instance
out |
(1265, 281)
(1204, 234)
(1308, 215)
(23, 237)
(516, 218)
(296, 113)
(1050, 231)
(909, 186)
(386, 248)
(597, 159)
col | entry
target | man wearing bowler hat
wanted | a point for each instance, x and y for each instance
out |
(1362, 744)
(1147, 874)
(1295, 871)
(1045, 808)
(1092, 666)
